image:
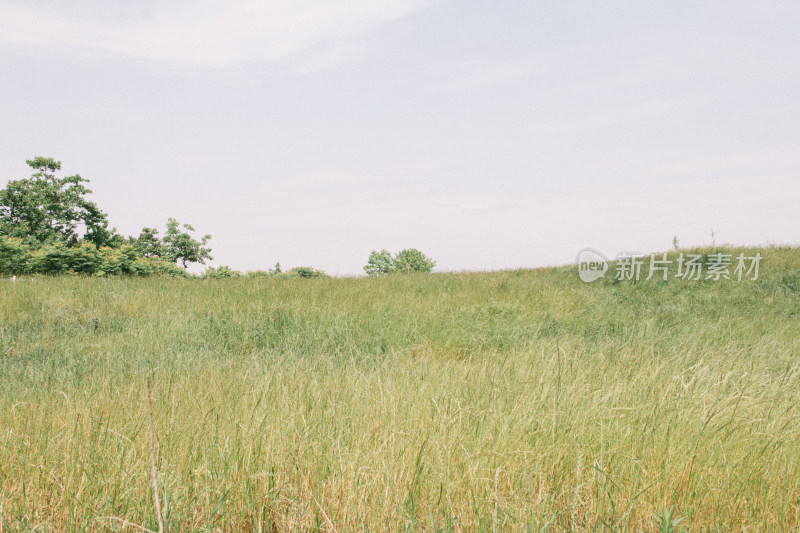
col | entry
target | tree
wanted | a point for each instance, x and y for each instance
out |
(48, 225)
(409, 260)
(379, 263)
(181, 246)
(412, 260)
(147, 244)
(46, 209)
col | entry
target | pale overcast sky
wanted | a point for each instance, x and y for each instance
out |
(488, 134)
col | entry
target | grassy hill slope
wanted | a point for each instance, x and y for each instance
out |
(508, 400)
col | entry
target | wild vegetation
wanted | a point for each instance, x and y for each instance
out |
(408, 260)
(518, 400)
(48, 225)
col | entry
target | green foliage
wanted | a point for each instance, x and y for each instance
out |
(379, 263)
(220, 272)
(84, 258)
(147, 244)
(667, 522)
(48, 226)
(14, 256)
(17, 258)
(408, 260)
(147, 266)
(258, 274)
(302, 272)
(179, 245)
(46, 209)
(296, 272)
(412, 260)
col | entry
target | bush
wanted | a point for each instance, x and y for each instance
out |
(257, 274)
(221, 272)
(148, 266)
(412, 260)
(302, 272)
(14, 256)
(85, 258)
(408, 260)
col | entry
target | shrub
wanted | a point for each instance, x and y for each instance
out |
(16, 258)
(147, 266)
(408, 260)
(412, 260)
(257, 274)
(302, 272)
(220, 272)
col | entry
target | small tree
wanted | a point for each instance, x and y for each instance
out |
(409, 260)
(379, 263)
(412, 260)
(181, 246)
(147, 244)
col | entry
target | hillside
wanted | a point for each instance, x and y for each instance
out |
(464, 401)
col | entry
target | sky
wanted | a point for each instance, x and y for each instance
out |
(489, 135)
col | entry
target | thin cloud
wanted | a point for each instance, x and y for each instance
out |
(480, 72)
(759, 162)
(324, 57)
(621, 115)
(203, 33)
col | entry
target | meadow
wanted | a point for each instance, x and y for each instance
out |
(519, 400)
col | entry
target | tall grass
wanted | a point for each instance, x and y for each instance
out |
(519, 400)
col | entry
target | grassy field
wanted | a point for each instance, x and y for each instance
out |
(519, 400)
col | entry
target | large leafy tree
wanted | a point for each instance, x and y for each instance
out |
(45, 209)
(180, 246)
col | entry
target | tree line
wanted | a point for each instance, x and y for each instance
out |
(48, 225)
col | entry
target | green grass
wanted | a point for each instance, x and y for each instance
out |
(520, 400)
